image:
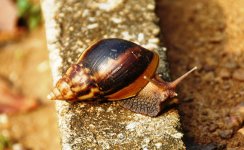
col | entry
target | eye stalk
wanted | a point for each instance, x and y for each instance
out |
(168, 87)
(178, 80)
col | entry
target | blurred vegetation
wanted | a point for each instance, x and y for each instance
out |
(4, 143)
(29, 14)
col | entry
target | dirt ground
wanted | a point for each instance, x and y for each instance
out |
(25, 63)
(209, 35)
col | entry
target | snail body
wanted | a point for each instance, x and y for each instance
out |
(114, 69)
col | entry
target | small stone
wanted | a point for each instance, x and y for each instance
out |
(164, 49)
(121, 136)
(131, 126)
(100, 109)
(158, 145)
(146, 140)
(105, 146)
(140, 37)
(224, 73)
(145, 148)
(208, 76)
(92, 126)
(226, 87)
(238, 74)
(241, 131)
(177, 135)
(212, 146)
(188, 99)
(230, 65)
(155, 31)
(109, 5)
(92, 19)
(218, 37)
(211, 61)
(226, 134)
(116, 20)
(109, 109)
(150, 7)
(92, 26)
(212, 128)
(241, 93)
(71, 28)
(153, 40)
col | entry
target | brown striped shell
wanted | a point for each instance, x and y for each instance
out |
(111, 68)
(116, 69)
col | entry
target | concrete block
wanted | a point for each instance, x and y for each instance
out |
(70, 27)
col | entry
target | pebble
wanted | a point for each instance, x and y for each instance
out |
(116, 20)
(121, 136)
(92, 126)
(158, 145)
(224, 73)
(208, 76)
(238, 74)
(226, 134)
(177, 135)
(92, 26)
(213, 127)
(218, 37)
(188, 99)
(131, 126)
(230, 65)
(226, 87)
(241, 131)
(210, 61)
(110, 5)
(100, 109)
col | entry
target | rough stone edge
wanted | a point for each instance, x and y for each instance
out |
(52, 32)
(50, 8)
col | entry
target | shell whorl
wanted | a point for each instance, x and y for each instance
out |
(111, 68)
(77, 83)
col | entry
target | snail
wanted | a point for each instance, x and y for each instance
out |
(117, 70)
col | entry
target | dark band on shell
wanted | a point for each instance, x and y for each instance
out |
(116, 69)
(117, 63)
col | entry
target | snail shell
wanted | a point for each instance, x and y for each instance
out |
(113, 69)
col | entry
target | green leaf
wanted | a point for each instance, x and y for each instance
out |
(23, 7)
(4, 142)
(33, 22)
(29, 13)
(35, 17)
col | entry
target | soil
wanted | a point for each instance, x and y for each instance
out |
(25, 63)
(209, 35)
